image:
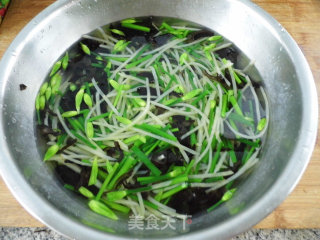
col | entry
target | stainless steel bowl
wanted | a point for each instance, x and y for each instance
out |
(286, 77)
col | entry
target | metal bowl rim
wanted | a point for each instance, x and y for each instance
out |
(38, 207)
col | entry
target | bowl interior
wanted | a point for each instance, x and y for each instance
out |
(257, 35)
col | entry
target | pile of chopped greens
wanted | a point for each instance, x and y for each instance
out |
(151, 119)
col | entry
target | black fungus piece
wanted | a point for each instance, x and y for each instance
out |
(143, 91)
(67, 175)
(75, 57)
(101, 50)
(175, 158)
(122, 179)
(146, 75)
(52, 113)
(67, 101)
(160, 160)
(86, 68)
(70, 142)
(160, 40)
(199, 34)
(80, 68)
(228, 76)
(239, 147)
(91, 44)
(101, 78)
(22, 87)
(165, 159)
(84, 180)
(138, 41)
(184, 126)
(193, 201)
(229, 53)
(144, 195)
(175, 94)
(236, 166)
(217, 78)
(45, 130)
(105, 88)
(134, 185)
(159, 110)
(115, 151)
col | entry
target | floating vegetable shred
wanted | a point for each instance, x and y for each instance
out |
(151, 118)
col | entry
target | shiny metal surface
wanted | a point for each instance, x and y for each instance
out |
(286, 77)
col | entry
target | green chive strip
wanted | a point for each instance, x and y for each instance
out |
(171, 192)
(216, 157)
(125, 166)
(152, 179)
(200, 97)
(119, 59)
(97, 65)
(120, 46)
(247, 155)
(146, 47)
(76, 124)
(52, 150)
(42, 102)
(224, 105)
(55, 68)
(69, 114)
(87, 99)
(61, 139)
(236, 77)
(89, 130)
(86, 192)
(85, 49)
(156, 131)
(104, 115)
(146, 161)
(116, 31)
(135, 138)
(65, 61)
(136, 27)
(233, 156)
(167, 26)
(116, 206)
(109, 167)
(262, 123)
(48, 93)
(235, 105)
(211, 115)
(153, 147)
(241, 119)
(191, 94)
(141, 60)
(190, 165)
(94, 172)
(123, 120)
(224, 198)
(116, 195)
(250, 142)
(69, 187)
(129, 20)
(102, 209)
(107, 180)
(83, 139)
(79, 98)
(43, 88)
(102, 175)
